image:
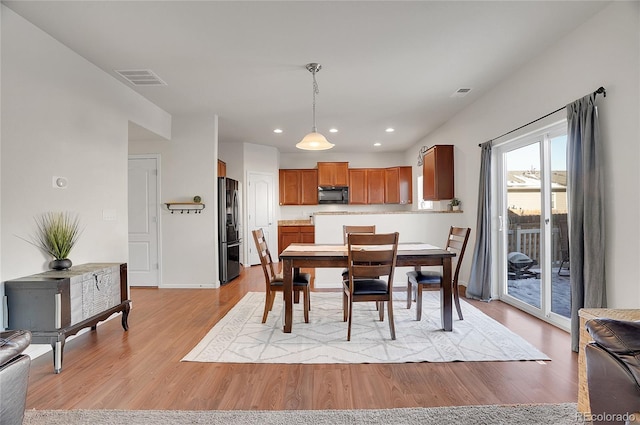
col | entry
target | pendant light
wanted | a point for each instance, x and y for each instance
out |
(314, 141)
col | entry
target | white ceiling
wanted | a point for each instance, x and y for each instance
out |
(385, 63)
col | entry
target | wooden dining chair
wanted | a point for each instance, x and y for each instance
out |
(457, 243)
(354, 229)
(275, 282)
(371, 258)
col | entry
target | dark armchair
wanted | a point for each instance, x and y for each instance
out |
(613, 370)
(14, 376)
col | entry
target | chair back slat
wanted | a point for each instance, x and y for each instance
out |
(265, 255)
(356, 229)
(457, 243)
(370, 271)
(372, 255)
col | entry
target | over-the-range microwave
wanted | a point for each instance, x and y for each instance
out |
(333, 195)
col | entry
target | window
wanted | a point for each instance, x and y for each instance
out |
(422, 204)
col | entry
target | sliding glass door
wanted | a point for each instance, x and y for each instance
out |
(534, 249)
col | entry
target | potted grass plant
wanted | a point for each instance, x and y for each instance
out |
(455, 204)
(56, 235)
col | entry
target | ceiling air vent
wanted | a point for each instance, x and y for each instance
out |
(461, 93)
(141, 77)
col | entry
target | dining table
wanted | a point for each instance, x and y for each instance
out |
(310, 255)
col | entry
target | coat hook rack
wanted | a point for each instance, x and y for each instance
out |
(187, 207)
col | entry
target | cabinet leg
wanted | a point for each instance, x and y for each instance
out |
(58, 349)
(125, 316)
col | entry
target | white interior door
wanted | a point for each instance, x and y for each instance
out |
(143, 264)
(260, 206)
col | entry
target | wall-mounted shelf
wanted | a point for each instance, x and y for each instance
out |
(188, 207)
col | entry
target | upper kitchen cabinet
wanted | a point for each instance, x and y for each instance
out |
(437, 173)
(333, 174)
(375, 185)
(222, 169)
(358, 186)
(298, 187)
(398, 185)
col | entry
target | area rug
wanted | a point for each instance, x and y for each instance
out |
(557, 414)
(240, 337)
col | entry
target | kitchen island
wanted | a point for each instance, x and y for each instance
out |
(430, 227)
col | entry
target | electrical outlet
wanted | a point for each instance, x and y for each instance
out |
(109, 215)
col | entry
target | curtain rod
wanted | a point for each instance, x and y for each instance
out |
(600, 90)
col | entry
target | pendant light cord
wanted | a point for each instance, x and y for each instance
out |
(315, 91)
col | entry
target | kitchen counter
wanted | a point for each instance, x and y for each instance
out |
(295, 223)
(384, 212)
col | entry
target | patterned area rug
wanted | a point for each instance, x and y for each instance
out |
(519, 414)
(240, 337)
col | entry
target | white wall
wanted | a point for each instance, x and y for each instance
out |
(188, 168)
(604, 51)
(310, 159)
(233, 154)
(62, 116)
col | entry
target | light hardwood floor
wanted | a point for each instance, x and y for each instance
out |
(141, 368)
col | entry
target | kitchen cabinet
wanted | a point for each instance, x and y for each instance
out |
(295, 234)
(375, 185)
(392, 185)
(437, 173)
(380, 185)
(57, 304)
(358, 186)
(298, 186)
(222, 169)
(398, 185)
(333, 174)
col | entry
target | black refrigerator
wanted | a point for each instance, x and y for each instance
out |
(228, 229)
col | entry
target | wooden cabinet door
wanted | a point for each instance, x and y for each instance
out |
(437, 173)
(358, 186)
(333, 173)
(289, 183)
(295, 234)
(222, 169)
(307, 234)
(406, 185)
(286, 236)
(392, 185)
(309, 187)
(375, 185)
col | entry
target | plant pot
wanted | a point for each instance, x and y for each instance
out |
(456, 207)
(62, 264)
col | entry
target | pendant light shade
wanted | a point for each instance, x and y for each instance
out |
(314, 141)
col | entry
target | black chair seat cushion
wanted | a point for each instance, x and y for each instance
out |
(425, 277)
(619, 337)
(368, 286)
(303, 279)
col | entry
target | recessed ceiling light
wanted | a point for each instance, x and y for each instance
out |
(390, 130)
(377, 144)
(277, 130)
(333, 130)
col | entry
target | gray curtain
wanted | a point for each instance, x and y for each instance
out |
(586, 211)
(479, 287)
